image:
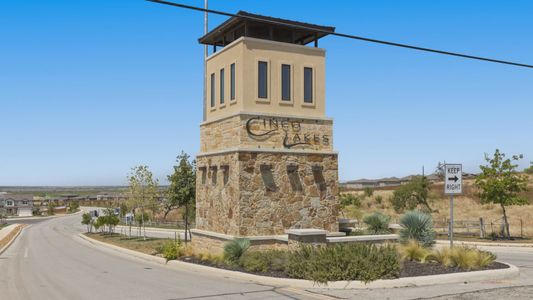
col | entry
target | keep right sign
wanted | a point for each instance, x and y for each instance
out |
(453, 180)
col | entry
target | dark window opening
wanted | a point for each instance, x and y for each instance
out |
(319, 178)
(213, 90)
(232, 81)
(214, 175)
(225, 172)
(294, 178)
(204, 174)
(263, 80)
(268, 178)
(286, 82)
(221, 86)
(308, 85)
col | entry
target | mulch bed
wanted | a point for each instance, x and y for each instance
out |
(408, 269)
(196, 260)
(413, 268)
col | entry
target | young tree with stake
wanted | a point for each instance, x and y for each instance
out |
(143, 189)
(182, 189)
(501, 184)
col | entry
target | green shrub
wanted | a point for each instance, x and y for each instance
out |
(377, 223)
(365, 262)
(233, 250)
(379, 199)
(171, 250)
(264, 261)
(350, 199)
(368, 191)
(417, 226)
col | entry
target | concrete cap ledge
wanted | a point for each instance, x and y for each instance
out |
(282, 238)
(363, 238)
(304, 232)
(472, 276)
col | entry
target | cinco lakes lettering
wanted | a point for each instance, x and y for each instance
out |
(291, 129)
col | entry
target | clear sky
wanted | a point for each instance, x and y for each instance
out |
(89, 89)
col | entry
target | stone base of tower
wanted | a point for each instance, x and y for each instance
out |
(264, 193)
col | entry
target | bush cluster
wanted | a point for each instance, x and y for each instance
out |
(377, 223)
(350, 199)
(264, 261)
(171, 250)
(462, 257)
(363, 262)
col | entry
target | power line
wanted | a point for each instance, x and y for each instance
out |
(346, 35)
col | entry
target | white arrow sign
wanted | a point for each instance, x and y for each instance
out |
(453, 180)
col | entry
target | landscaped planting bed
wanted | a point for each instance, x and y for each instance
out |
(364, 262)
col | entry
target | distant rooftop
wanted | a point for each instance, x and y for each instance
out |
(264, 27)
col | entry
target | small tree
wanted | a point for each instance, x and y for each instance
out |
(73, 206)
(501, 184)
(182, 189)
(87, 220)
(51, 208)
(412, 194)
(143, 191)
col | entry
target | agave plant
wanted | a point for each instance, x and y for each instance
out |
(417, 226)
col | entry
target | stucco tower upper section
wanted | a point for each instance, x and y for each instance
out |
(265, 68)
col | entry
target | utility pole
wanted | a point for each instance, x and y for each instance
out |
(205, 62)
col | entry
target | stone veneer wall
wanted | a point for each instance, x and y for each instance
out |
(231, 133)
(245, 207)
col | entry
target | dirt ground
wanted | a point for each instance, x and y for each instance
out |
(466, 208)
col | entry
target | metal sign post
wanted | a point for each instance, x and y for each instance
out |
(453, 185)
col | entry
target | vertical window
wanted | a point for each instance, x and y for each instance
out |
(308, 85)
(286, 82)
(213, 90)
(221, 86)
(213, 175)
(232, 81)
(263, 81)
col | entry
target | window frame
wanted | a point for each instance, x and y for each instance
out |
(291, 83)
(212, 91)
(233, 82)
(313, 85)
(222, 90)
(268, 80)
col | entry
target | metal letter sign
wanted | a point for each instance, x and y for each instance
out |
(453, 180)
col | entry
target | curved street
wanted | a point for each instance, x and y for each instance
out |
(49, 261)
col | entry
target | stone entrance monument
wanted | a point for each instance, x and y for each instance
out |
(266, 162)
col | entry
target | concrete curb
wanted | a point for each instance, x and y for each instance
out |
(14, 238)
(153, 229)
(463, 277)
(467, 243)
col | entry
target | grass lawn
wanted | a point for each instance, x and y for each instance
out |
(150, 246)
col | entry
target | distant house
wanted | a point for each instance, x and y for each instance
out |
(17, 205)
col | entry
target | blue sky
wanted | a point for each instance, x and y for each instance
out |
(89, 89)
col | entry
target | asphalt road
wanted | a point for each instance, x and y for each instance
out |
(50, 261)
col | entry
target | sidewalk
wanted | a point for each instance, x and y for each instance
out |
(493, 244)
(7, 230)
